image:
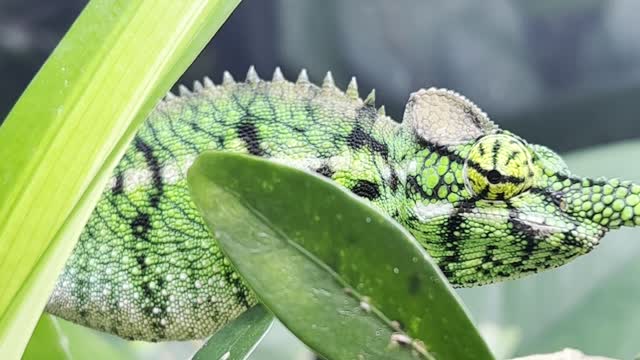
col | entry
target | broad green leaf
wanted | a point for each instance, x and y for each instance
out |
(335, 271)
(238, 338)
(62, 139)
(591, 304)
(56, 339)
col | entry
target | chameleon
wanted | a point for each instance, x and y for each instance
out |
(484, 203)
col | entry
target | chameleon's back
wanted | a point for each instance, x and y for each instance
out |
(145, 266)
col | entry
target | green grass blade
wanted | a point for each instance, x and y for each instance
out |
(64, 136)
(335, 271)
(56, 339)
(238, 338)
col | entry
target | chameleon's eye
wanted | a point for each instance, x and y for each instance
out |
(498, 167)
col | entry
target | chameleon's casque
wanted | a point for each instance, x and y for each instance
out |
(484, 203)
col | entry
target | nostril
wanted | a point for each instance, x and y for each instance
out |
(558, 200)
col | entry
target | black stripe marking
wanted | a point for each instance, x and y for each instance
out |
(366, 189)
(441, 151)
(504, 179)
(250, 135)
(325, 171)
(526, 232)
(393, 181)
(140, 259)
(511, 157)
(140, 225)
(491, 251)
(577, 180)
(197, 128)
(556, 198)
(154, 166)
(140, 228)
(414, 186)
(118, 187)
(483, 193)
(494, 153)
(359, 139)
(454, 224)
(240, 293)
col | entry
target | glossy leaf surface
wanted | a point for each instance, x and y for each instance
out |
(335, 271)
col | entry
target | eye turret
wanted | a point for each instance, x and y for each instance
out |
(498, 167)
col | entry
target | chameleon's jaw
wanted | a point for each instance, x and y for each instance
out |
(490, 240)
(542, 228)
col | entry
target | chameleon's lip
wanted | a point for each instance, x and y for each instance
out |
(541, 227)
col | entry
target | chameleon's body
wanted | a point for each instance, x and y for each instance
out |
(484, 203)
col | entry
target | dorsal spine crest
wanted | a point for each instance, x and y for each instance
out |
(328, 85)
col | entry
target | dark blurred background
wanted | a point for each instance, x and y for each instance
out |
(562, 73)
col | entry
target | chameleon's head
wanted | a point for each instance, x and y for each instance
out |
(489, 206)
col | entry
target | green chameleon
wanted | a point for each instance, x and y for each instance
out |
(484, 203)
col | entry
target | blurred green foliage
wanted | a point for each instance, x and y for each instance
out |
(57, 339)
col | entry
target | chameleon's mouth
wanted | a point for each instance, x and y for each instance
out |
(563, 231)
(510, 243)
(533, 226)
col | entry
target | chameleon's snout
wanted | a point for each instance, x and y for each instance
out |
(608, 203)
